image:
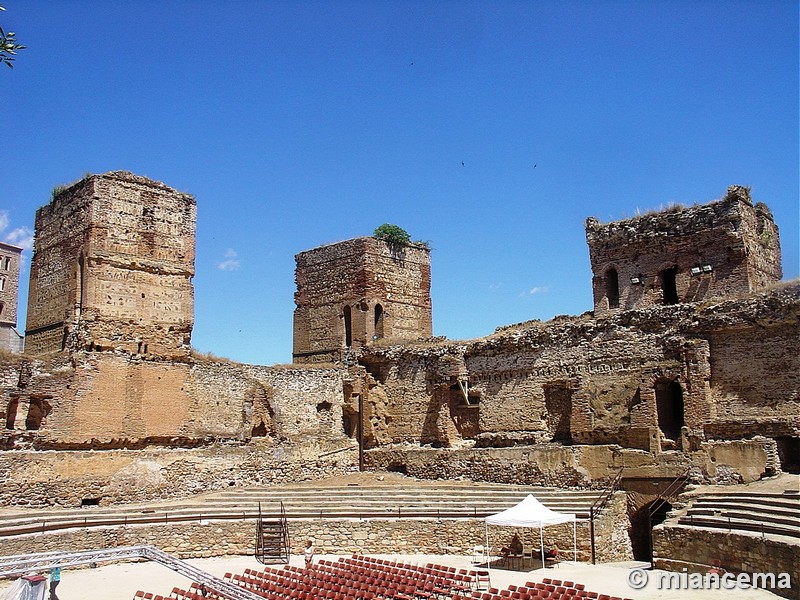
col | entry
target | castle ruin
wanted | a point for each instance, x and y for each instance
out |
(112, 268)
(357, 291)
(722, 249)
(688, 363)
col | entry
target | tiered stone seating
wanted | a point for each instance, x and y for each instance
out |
(414, 499)
(763, 513)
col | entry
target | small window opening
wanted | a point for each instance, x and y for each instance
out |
(2, 283)
(397, 468)
(324, 406)
(612, 288)
(669, 286)
(348, 327)
(90, 502)
(259, 430)
(378, 321)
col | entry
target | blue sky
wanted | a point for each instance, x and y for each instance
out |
(490, 129)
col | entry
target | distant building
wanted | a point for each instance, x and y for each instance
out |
(723, 248)
(10, 339)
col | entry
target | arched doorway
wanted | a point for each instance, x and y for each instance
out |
(669, 286)
(642, 522)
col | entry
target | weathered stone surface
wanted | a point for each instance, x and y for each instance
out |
(719, 249)
(356, 291)
(112, 268)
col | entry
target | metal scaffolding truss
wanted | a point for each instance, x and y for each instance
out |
(44, 561)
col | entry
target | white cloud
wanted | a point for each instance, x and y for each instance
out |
(230, 263)
(21, 236)
(539, 289)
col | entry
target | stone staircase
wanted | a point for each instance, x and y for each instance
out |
(763, 513)
(310, 500)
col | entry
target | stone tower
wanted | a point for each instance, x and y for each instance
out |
(10, 256)
(112, 268)
(356, 291)
(726, 247)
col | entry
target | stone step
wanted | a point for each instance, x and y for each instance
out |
(789, 520)
(409, 499)
(713, 508)
(774, 501)
(726, 524)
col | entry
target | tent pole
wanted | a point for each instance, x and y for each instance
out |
(574, 540)
(541, 542)
(486, 548)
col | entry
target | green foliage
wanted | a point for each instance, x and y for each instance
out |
(8, 46)
(393, 234)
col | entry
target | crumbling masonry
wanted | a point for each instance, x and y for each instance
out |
(690, 361)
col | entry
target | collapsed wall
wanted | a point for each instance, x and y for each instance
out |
(662, 379)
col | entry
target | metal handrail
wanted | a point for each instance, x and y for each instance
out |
(656, 505)
(600, 504)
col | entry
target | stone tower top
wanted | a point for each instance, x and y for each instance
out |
(356, 291)
(112, 268)
(725, 247)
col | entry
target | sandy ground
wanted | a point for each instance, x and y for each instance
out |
(121, 580)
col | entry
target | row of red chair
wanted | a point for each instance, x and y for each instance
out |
(548, 589)
(355, 578)
(366, 578)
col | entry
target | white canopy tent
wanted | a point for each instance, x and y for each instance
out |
(532, 513)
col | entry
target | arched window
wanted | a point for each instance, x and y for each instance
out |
(378, 321)
(612, 288)
(348, 327)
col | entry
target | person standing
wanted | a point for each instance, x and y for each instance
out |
(55, 579)
(308, 553)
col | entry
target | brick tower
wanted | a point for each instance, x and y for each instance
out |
(684, 254)
(356, 291)
(112, 268)
(10, 256)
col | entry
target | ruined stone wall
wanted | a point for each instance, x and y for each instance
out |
(698, 550)
(112, 268)
(331, 536)
(37, 478)
(724, 248)
(655, 379)
(104, 400)
(358, 290)
(577, 466)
